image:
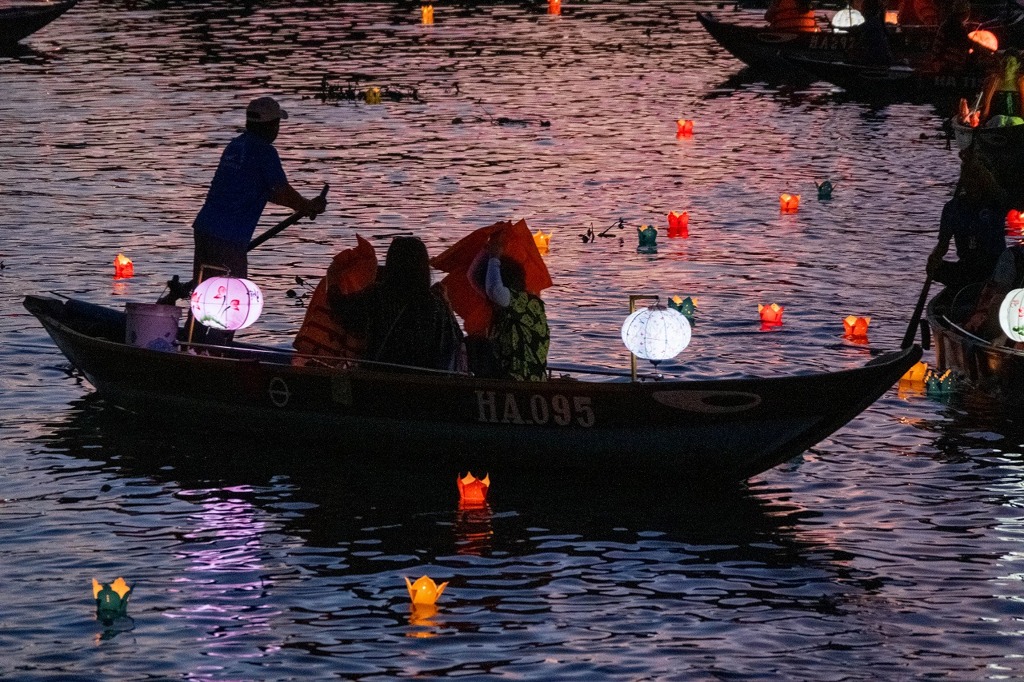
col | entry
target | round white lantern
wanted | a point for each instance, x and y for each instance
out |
(226, 303)
(1011, 315)
(847, 18)
(656, 333)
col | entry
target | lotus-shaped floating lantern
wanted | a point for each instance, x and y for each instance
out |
(1011, 315)
(939, 385)
(427, 14)
(372, 96)
(1015, 222)
(542, 240)
(771, 315)
(686, 306)
(916, 374)
(554, 6)
(473, 491)
(647, 235)
(656, 333)
(824, 190)
(226, 303)
(424, 592)
(856, 327)
(123, 268)
(789, 203)
(684, 127)
(111, 600)
(679, 224)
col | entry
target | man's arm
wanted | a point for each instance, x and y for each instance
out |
(286, 195)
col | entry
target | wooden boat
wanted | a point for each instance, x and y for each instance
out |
(21, 21)
(897, 80)
(711, 431)
(990, 366)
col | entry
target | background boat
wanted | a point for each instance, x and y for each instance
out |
(25, 18)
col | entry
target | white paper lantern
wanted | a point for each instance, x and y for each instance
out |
(656, 333)
(1011, 315)
(227, 303)
(847, 18)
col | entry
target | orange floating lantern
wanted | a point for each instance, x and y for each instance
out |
(472, 490)
(985, 39)
(554, 6)
(916, 374)
(1015, 221)
(771, 315)
(123, 268)
(543, 241)
(856, 327)
(679, 224)
(789, 203)
(892, 17)
(684, 127)
(424, 592)
(427, 12)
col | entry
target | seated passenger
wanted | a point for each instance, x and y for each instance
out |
(403, 319)
(790, 15)
(1004, 93)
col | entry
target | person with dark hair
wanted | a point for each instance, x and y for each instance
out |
(404, 320)
(519, 332)
(248, 176)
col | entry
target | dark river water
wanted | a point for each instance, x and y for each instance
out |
(888, 551)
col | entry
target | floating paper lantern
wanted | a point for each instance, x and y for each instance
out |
(679, 224)
(1015, 221)
(986, 39)
(111, 600)
(824, 190)
(1011, 315)
(684, 127)
(472, 490)
(892, 16)
(226, 303)
(770, 314)
(424, 592)
(554, 6)
(648, 238)
(847, 18)
(789, 203)
(686, 306)
(427, 12)
(656, 333)
(916, 374)
(123, 268)
(856, 327)
(939, 385)
(543, 241)
(372, 96)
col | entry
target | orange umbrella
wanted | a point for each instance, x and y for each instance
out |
(468, 299)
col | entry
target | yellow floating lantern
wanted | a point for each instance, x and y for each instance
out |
(789, 203)
(473, 491)
(856, 327)
(226, 303)
(123, 268)
(543, 241)
(916, 374)
(424, 592)
(427, 13)
(372, 96)
(770, 314)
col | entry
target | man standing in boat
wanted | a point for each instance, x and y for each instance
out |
(248, 176)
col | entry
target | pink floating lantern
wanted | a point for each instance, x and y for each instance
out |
(771, 315)
(679, 224)
(123, 268)
(684, 127)
(855, 327)
(789, 203)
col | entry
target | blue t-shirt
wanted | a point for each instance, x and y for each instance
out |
(249, 169)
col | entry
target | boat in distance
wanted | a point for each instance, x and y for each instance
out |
(22, 20)
(893, 80)
(703, 432)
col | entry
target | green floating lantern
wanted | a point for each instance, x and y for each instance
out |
(648, 236)
(939, 385)
(824, 190)
(687, 306)
(111, 600)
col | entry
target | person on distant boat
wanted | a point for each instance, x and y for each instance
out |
(951, 49)
(404, 320)
(519, 332)
(872, 43)
(1001, 102)
(790, 15)
(974, 220)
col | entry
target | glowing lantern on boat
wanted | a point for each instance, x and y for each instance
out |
(472, 490)
(686, 306)
(770, 314)
(543, 241)
(656, 333)
(892, 17)
(427, 13)
(123, 267)
(648, 238)
(847, 18)
(424, 592)
(1015, 221)
(554, 6)
(684, 127)
(824, 190)
(856, 327)
(986, 39)
(1011, 315)
(111, 600)
(679, 224)
(226, 303)
(789, 203)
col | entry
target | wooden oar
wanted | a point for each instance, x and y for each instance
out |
(915, 320)
(176, 290)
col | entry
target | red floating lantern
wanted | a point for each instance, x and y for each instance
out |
(678, 224)
(789, 203)
(123, 268)
(856, 327)
(1015, 222)
(473, 491)
(554, 6)
(684, 127)
(771, 315)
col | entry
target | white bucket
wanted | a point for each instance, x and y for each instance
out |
(151, 325)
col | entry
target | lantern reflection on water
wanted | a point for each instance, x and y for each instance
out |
(226, 303)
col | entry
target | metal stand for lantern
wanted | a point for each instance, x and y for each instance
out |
(633, 298)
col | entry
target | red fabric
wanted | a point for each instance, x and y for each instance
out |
(468, 301)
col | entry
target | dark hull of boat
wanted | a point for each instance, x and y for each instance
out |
(17, 23)
(993, 369)
(687, 431)
(891, 81)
